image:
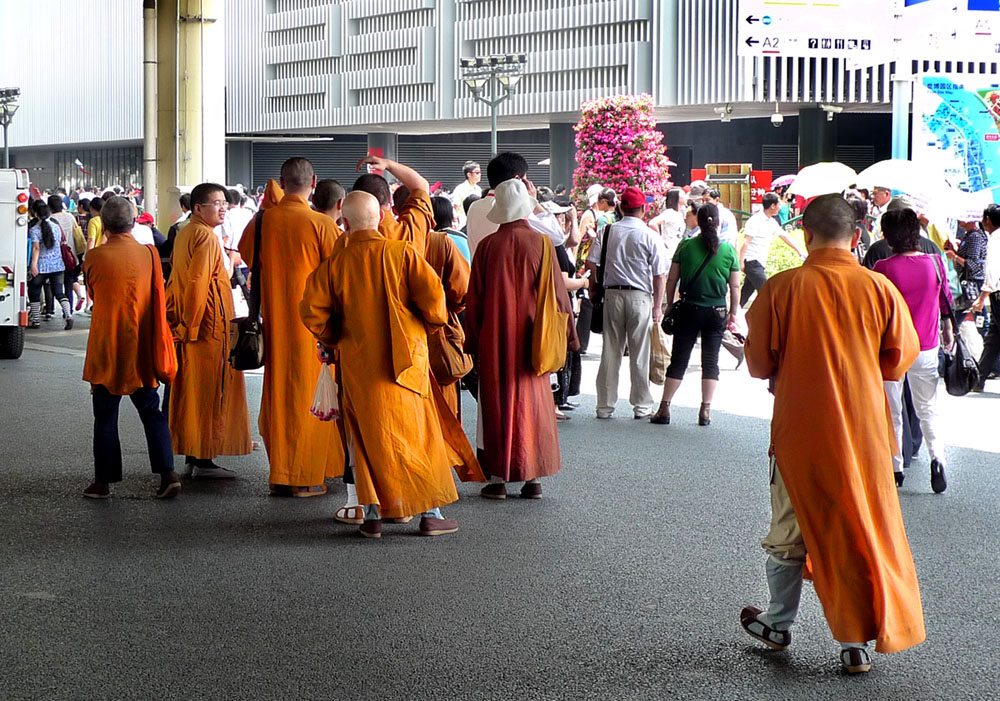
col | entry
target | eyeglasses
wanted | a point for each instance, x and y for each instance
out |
(216, 203)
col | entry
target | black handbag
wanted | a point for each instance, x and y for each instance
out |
(247, 351)
(597, 299)
(669, 321)
(961, 371)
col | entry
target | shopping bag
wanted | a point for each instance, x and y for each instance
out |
(325, 405)
(548, 333)
(659, 355)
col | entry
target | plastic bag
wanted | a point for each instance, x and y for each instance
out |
(325, 403)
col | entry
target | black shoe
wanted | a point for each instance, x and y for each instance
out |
(705, 415)
(69, 323)
(662, 415)
(938, 481)
(899, 478)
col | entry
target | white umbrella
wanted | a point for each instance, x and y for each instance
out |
(927, 187)
(822, 179)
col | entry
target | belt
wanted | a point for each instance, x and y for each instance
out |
(624, 287)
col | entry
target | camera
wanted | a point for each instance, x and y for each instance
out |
(777, 119)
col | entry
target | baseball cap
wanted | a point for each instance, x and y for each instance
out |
(633, 198)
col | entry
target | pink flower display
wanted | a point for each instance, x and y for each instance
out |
(618, 145)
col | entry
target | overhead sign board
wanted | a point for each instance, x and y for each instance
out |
(847, 29)
(967, 30)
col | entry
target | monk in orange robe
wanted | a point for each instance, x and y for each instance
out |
(208, 400)
(295, 239)
(415, 218)
(371, 301)
(517, 425)
(125, 282)
(828, 334)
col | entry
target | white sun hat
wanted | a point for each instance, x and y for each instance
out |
(511, 202)
(594, 193)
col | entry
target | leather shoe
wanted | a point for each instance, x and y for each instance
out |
(371, 528)
(431, 526)
(531, 490)
(495, 490)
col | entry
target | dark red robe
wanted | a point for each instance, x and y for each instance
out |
(519, 440)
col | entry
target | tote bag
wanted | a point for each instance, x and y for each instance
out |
(548, 334)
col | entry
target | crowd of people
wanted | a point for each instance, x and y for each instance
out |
(408, 297)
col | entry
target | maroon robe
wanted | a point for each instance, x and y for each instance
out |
(517, 421)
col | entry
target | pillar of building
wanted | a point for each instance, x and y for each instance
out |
(817, 137)
(239, 163)
(562, 155)
(190, 99)
(383, 145)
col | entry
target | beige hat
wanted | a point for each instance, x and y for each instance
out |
(511, 202)
(553, 207)
(594, 194)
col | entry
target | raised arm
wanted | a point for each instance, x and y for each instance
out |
(404, 174)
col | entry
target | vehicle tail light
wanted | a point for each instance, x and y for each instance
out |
(22, 209)
(22, 197)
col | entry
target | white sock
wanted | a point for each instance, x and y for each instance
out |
(433, 513)
(537, 480)
(352, 496)
(371, 512)
(497, 480)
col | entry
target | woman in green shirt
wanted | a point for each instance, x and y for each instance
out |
(709, 272)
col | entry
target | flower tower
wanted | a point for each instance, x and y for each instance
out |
(618, 145)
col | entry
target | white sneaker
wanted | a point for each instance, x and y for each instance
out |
(212, 473)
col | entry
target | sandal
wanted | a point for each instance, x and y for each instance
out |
(561, 416)
(856, 660)
(354, 515)
(776, 639)
(317, 490)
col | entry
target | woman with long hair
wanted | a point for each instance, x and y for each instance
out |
(708, 271)
(921, 279)
(46, 265)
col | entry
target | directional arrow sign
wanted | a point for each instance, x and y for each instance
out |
(816, 29)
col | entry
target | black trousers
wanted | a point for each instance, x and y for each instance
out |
(709, 322)
(583, 323)
(991, 344)
(912, 435)
(107, 446)
(755, 279)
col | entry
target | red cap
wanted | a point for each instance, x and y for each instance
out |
(145, 218)
(633, 198)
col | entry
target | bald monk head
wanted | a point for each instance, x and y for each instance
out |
(361, 212)
(828, 222)
(298, 177)
(376, 186)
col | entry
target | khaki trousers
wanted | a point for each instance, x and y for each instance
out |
(784, 539)
(628, 318)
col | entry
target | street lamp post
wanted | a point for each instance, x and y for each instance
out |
(492, 80)
(8, 106)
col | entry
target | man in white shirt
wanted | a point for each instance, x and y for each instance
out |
(881, 197)
(728, 226)
(635, 275)
(502, 167)
(470, 186)
(760, 230)
(990, 291)
(235, 222)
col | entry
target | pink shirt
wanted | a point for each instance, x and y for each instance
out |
(924, 285)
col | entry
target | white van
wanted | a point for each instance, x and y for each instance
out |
(13, 261)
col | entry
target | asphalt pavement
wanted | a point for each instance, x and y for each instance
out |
(624, 582)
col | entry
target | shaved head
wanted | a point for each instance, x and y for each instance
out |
(399, 198)
(361, 211)
(297, 174)
(829, 218)
(374, 185)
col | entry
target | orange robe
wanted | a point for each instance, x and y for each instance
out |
(302, 451)
(208, 399)
(415, 222)
(120, 344)
(453, 269)
(371, 301)
(829, 333)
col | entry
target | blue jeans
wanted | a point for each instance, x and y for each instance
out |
(107, 447)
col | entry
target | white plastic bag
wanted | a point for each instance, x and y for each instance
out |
(325, 403)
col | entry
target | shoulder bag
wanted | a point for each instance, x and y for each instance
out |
(448, 359)
(597, 299)
(68, 255)
(248, 349)
(548, 333)
(669, 322)
(959, 368)
(164, 350)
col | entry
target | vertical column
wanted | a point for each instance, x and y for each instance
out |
(383, 144)
(166, 112)
(817, 137)
(149, 108)
(562, 155)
